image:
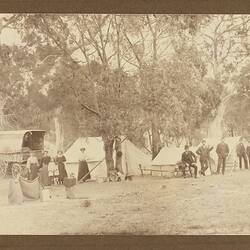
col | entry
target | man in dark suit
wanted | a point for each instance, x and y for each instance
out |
(222, 151)
(204, 152)
(189, 160)
(241, 153)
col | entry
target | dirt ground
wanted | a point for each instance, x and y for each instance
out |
(143, 206)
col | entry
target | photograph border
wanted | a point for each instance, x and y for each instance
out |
(126, 241)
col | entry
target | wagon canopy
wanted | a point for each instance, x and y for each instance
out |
(15, 141)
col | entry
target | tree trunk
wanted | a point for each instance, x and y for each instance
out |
(58, 130)
(108, 148)
(3, 118)
(156, 140)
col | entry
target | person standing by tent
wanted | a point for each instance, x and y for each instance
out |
(118, 150)
(83, 170)
(204, 152)
(33, 166)
(53, 171)
(222, 151)
(189, 160)
(60, 162)
(44, 173)
(241, 153)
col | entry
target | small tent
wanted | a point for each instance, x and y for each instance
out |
(131, 157)
(166, 160)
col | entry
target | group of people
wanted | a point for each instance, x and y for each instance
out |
(41, 168)
(189, 158)
(35, 167)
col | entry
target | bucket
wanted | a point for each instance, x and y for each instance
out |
(45, 195)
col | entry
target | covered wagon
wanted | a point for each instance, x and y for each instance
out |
(15, 148)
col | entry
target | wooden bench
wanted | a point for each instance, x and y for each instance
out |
(176, 172)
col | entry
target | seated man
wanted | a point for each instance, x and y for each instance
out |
(189, 160)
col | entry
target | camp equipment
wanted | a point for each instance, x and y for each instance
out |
(45, 194)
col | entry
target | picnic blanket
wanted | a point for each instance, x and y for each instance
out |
(30, 189)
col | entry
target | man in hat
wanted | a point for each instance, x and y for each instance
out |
(189, 160)
(241, 153)
(222, 151)
(204, 152)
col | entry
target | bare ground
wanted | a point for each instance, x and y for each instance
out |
(207, 205)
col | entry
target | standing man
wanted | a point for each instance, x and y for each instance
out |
(189, 160)
(118, 158)
(241, 153)
(248, 152)
(204, 152)
(222, 151)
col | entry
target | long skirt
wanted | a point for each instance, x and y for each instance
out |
(62, 172)
(44, 175)
(83, 170)
(33, 172)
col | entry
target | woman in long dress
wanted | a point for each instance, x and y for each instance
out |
(60, 161)
(44, 173)
(33, 166)
(83, 169)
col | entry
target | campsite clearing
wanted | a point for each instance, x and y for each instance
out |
(144, 206)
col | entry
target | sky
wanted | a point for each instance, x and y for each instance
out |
(11, 37)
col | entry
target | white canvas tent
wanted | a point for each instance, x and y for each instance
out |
(168, 156)
(166, 160)
(131, 158)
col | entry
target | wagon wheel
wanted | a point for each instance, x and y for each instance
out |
(15, 170)
(3, 167)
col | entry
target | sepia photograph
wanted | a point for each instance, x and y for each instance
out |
(124, 124)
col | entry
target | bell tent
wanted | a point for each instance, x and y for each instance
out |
(131, 157)
(166, 160)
